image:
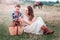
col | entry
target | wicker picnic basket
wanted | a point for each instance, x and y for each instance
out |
(16, 30)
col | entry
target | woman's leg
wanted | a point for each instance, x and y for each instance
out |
(46, 30)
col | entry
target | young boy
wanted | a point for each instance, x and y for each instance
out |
(16, 16)
(16, 28)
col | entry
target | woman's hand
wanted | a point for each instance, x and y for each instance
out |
(20, 19)
(23, 21)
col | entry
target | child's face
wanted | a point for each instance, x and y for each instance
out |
(17, 8)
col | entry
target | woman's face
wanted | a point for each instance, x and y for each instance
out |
(26, 11)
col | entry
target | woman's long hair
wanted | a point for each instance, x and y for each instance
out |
(30, 13)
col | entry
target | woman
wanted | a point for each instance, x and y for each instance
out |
(35, 25)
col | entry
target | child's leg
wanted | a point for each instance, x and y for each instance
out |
(13, 23)
(19, 28)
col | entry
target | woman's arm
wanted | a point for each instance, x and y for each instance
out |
(29, 22)
(23, 21)
(32, 20)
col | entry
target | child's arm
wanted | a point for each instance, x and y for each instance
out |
(13, 16)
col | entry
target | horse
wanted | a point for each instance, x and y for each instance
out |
(38, 4)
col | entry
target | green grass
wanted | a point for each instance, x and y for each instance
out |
(4, 34)
(5, 22)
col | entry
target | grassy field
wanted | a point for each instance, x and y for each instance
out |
(4, 34)
(52, 21)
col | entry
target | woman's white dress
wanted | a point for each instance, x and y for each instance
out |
(35, 27)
